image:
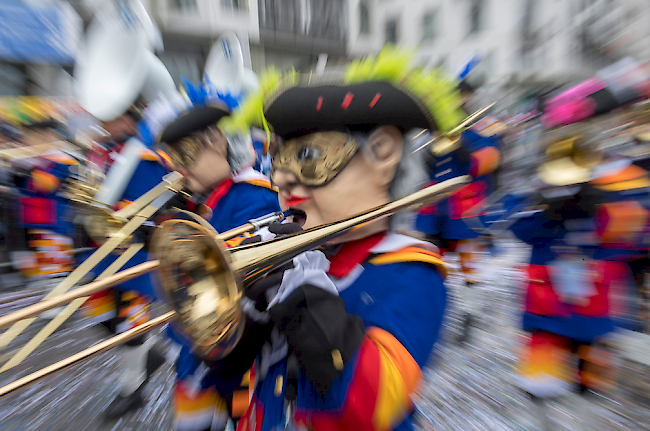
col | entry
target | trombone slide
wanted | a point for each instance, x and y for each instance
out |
(88, 353)
(120, 277)
(87, 290)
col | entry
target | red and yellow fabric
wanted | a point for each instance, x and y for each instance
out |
(543, 300)
(123, 310)
(484, 161)
(100, 307)
(466, 198)
(619, 222)
(489, 126)
(598, 371)
(38, 210)
(43, 182)
(628, 178)
(167, 160)
(379, 395)
(53, 252)
(61, 159)
(468, 253)
(546, 368)
(411, 254)
(198, 410)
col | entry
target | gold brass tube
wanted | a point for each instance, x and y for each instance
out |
(86, 290)
(86, 354)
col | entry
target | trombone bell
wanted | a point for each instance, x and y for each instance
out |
(200, 285)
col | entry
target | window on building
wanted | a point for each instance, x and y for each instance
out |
(391, 31)
(429, 26)
(529, 13)
(364, 18)
(183, 5)
(234, 4)
(476, 12)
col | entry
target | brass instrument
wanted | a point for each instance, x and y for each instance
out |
(450, 141)
(204, 281)
(133, 215)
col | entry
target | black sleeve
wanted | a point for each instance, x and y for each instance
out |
(319, 331)
(243, 355)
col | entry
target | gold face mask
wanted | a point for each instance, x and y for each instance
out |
(317, 158)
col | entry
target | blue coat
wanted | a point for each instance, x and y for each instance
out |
(446, 219)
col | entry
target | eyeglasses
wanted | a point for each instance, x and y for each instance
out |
(186, 151)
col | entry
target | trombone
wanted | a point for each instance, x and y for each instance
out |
(203, 281)
(121, 225)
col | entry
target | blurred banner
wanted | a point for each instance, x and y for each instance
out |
(43, 33)
(17, 110)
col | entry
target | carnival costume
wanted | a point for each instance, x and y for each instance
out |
(45, 212)
(199, 403)
(476, 154)
(348, 340)
(588, 222)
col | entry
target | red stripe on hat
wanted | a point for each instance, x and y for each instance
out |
(320, 104)
(375, 100)
(347, 100)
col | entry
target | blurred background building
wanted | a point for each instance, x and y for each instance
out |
(520, 43)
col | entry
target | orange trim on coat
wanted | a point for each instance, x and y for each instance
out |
(632, 172)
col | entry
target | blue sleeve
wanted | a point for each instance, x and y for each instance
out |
(147, 175)
(473, 141)
(409, 303)
(259, 201)
(534, 229)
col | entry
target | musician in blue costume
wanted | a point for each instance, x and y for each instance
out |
(45, 211)
(127, 305)
(355, 359)
(584, 225)
(475, 152)
(587, 222)
(228, 193)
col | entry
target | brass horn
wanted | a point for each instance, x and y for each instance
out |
(203, 281)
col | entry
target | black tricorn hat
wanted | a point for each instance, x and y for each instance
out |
(371, 92)
(195, 119)
(358, 107)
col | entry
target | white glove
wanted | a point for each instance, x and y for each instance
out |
(311, 268)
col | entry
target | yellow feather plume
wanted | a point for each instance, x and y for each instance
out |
(438, 93)
(251, 112)
(433, 89)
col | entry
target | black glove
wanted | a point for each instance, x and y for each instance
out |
(319, 331)
(179, 200)
(257, 291)
(243, 355)
(277, 228)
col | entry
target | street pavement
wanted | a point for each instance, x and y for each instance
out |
(467, 387)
